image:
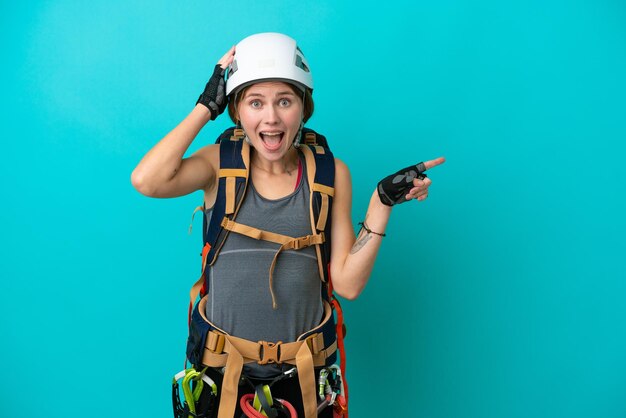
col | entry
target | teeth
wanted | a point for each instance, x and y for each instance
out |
(271, 133)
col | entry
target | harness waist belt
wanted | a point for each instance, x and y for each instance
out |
(224, 350)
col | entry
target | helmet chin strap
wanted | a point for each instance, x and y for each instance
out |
(296, 141)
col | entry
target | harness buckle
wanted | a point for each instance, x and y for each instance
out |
(269, 353)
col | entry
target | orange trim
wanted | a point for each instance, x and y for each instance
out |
(342, 351)
(199, 286)
(340, 330)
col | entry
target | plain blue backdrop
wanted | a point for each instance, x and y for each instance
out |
(501, 296)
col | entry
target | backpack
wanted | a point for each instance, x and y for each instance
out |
(208, 345)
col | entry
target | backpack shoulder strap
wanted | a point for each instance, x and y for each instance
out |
(320, 165)
(232, 184)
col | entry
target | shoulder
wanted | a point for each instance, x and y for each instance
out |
(343, 182)
(342, 172)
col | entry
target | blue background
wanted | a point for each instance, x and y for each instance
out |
(502, 295)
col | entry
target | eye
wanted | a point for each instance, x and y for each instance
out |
(255, 104)
(284, 102)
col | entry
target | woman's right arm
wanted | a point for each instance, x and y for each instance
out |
(163, 172)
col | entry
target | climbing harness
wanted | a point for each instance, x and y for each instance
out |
(210, 346)
(188, 407)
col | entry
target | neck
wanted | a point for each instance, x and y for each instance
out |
(286, 165)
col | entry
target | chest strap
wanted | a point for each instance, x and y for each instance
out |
(223, 350)
(286, 243)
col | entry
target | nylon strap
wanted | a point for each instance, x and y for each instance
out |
(306, 376)
(222, 350)
(310, 138)
(233, 172)
(286, 243)
(196, 210)
(238, 133)
(330, 191)
(230, 195)
(310, 168)
(321, 221)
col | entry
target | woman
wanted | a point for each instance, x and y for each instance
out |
(268, 95)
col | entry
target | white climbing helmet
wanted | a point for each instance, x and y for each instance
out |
(268, 56)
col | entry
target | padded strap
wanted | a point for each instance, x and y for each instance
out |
(310, 168)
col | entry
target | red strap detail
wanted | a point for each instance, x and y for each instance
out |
(299, 174)
(340, 345)
(205, 253)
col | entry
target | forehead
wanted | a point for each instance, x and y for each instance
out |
(269, 88)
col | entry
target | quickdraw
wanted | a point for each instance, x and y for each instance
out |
(192, 383)
(261, 404)
(330, 391)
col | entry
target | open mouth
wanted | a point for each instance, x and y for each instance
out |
(272, 140)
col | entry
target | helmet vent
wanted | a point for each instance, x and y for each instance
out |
(301, 64)
(232, 69)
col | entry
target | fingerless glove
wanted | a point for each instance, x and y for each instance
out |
(393, 189)
(214, 95)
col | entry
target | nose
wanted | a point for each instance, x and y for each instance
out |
(271, 115)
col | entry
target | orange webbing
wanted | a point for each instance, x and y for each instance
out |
(199, 286)
(340, 330)
(340, 345)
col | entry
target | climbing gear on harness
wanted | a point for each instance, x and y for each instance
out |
(208, 345)
(393, 189)
(213, 96)
(369, 231)
(330, 389)
(213, 347)
(250, 410)
(188, 408)
(268, 56)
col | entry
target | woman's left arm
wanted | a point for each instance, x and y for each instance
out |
(352, 258)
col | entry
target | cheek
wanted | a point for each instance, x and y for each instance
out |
(293, 117)
(246, 117)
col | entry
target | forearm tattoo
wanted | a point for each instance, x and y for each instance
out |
(364, 236)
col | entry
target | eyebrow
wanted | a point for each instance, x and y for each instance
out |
(280, 93)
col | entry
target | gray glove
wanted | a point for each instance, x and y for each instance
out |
(214, 95)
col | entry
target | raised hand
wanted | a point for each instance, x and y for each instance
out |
(214, 95)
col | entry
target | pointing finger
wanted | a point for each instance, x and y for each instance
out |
(433, 163)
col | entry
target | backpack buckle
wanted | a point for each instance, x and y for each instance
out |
(301, 242)
(269, 352)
